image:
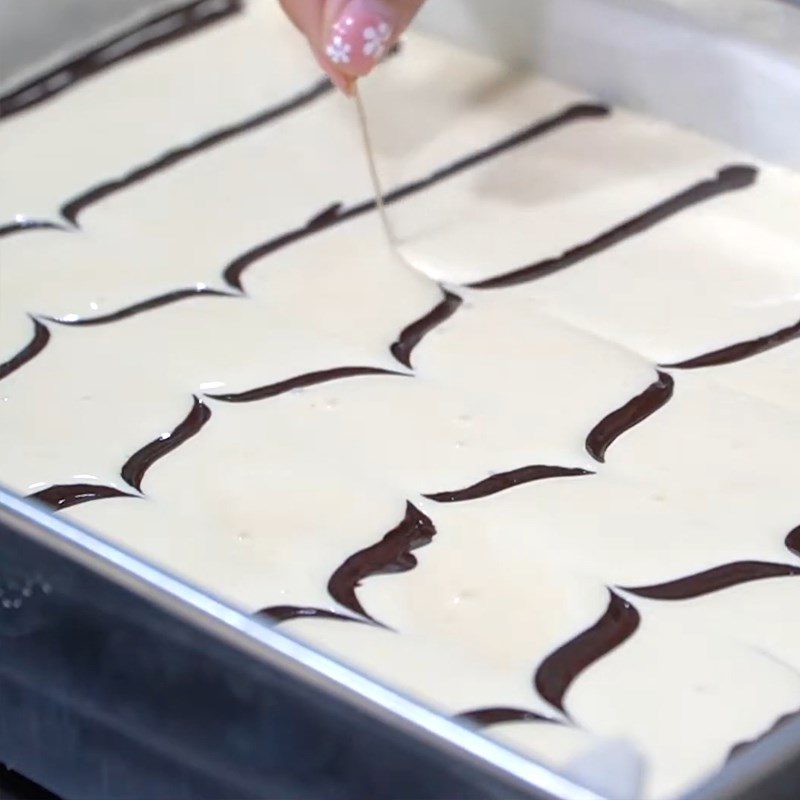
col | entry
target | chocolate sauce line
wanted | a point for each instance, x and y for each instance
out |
(301, 382)
(337, 212)
(178, 22)
(392, 554)
(486, 717)
(740, 350)
(134, 469)
(41, 336)
(793, 541)
(72, 208)
(610, 428)
(279, 614)
(781, 722)
(145, 305)
(573, 113)
(713, 580)
(26, 224)
(558, 671)
(414, 333)
(728, 179)
(233, 271)
(66, 495)
(501, 481)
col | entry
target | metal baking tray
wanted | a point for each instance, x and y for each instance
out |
(118, 680)
(727, 68)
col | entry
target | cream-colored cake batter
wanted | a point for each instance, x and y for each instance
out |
(259, 400)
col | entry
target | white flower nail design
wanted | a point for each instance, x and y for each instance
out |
(375, 39)
(338, 51)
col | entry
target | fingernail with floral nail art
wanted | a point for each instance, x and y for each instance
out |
(359, 37)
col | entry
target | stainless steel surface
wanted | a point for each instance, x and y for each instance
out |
(35, 35)
(727, 68)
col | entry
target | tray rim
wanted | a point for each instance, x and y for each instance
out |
(739, 778)
(266, 644)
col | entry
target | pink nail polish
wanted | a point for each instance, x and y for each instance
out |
(359, 38)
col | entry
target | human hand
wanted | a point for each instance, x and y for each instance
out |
(349, 37)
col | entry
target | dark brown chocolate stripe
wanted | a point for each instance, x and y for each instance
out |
(278, 614)
(134, 469)
(486, 717)
(741, 350)
(609, 429)
(26, 224)
(72, 208)
(330, 215)
(390, 555)
(728, 179)
(175, 24)
(557, 672)
(336, 212)
(781, 722)
(66, 495)
(145, 305)
(414, 333)
(506, 480)
(793, 541)
(573, 113)
(713, 580)
(301, 382)
(325, 217)
(41, 336)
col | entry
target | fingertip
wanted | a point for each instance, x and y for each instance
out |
(345, 83)
(306, 16)
(358, 35)
(349, 86)
(341, 81)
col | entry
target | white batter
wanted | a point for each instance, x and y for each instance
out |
(268, 499)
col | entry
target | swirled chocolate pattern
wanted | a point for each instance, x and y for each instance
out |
(740, 350)
(414, 333)
(390, 555)
(223, 567)
(41, 336)
(134, 469)
(728, 179)
(301, 382)
(501, 481)
(609, 429)
(486, 717)
(66, 495)
(336, 212)
(72, 208)
(145, 305)
(793, 541)
(278, 614)
(713, 580)
(781, 722)
(557, 672)
(153, 32)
